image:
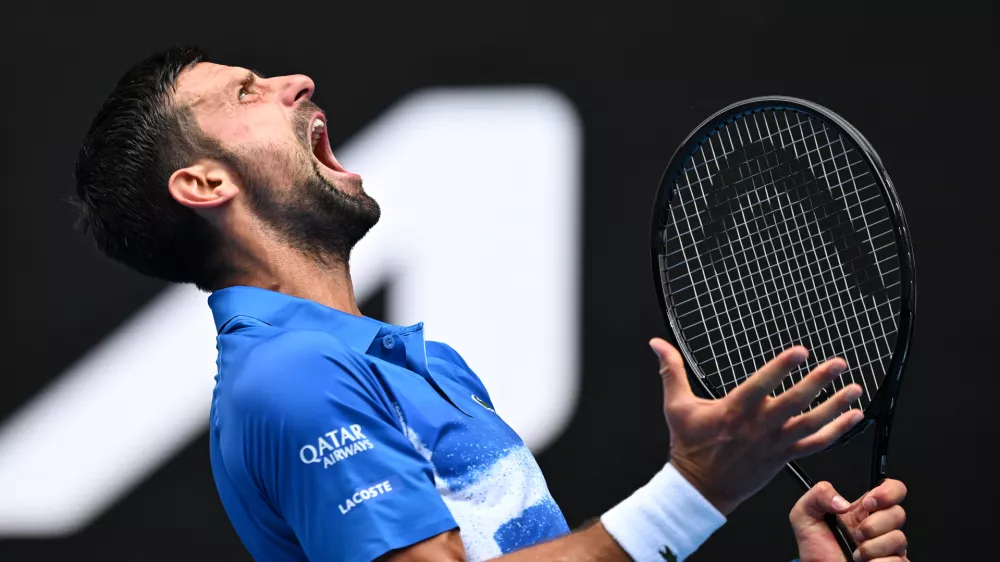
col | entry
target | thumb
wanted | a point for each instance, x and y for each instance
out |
(675, 381)
(817, 502)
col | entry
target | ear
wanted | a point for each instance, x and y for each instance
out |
(203, 185)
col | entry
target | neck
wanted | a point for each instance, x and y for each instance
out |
(277, 267)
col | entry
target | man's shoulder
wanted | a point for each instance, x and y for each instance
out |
(263, 366)
(263, 346)
(445, 352)
(463, 375)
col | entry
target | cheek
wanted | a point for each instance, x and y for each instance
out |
(227, 128)
(280, 164)
(259, 132)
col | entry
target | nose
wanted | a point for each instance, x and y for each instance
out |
(296, 88)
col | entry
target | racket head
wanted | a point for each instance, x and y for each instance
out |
(722, 183)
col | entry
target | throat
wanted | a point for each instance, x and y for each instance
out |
(278, 267)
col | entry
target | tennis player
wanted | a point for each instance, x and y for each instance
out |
(336, 437)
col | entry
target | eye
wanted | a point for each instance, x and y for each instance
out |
(247, 86)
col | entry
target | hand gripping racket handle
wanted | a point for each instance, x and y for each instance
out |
(838, 529)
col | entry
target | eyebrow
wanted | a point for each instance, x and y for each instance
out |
(249, 77)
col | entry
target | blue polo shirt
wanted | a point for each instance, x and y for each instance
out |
(340, 438)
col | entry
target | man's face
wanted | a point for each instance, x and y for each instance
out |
(275, 137)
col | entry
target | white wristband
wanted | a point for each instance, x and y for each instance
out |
(666, 517)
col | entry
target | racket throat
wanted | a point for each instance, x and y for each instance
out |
(880, 451)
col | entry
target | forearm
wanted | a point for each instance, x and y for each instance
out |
(593, 544)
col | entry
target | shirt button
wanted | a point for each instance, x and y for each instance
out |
(388, 342)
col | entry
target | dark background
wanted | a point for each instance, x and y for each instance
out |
(916, 78)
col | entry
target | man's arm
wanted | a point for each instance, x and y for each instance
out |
(721, 452)
(875, 519)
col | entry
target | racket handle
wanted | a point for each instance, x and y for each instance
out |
(842, 535)
(840, 532)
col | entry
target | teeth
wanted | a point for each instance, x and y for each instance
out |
(317, 131)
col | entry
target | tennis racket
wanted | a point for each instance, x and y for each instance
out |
(775, 224)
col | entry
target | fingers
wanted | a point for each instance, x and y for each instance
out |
(888, 493)
(814, 504)
(800, 396)
(880, 523)
(878, 535)
(827, 435)
(761, 383)
(888, 545)
(675, 381)
(808, 423)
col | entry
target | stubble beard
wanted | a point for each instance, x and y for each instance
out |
(313, 216)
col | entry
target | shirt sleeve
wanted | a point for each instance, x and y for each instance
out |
(322, 442)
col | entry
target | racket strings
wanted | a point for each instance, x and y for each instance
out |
(799, 269)
(856, 329)
(778, 235)
(769, 171)
(800, 214)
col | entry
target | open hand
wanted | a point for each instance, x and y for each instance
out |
(875, 521)
(728, 449)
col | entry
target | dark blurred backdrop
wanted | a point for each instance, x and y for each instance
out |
(917, 78)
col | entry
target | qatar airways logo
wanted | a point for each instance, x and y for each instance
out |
(335, 446)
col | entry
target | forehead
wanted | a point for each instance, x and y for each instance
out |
(206, 83)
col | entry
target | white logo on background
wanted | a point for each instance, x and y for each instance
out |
(364, 495)
(480, 190)
(337, 445)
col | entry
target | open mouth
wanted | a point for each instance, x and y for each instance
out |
(320, 143)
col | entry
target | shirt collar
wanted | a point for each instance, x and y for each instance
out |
(279, 309)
